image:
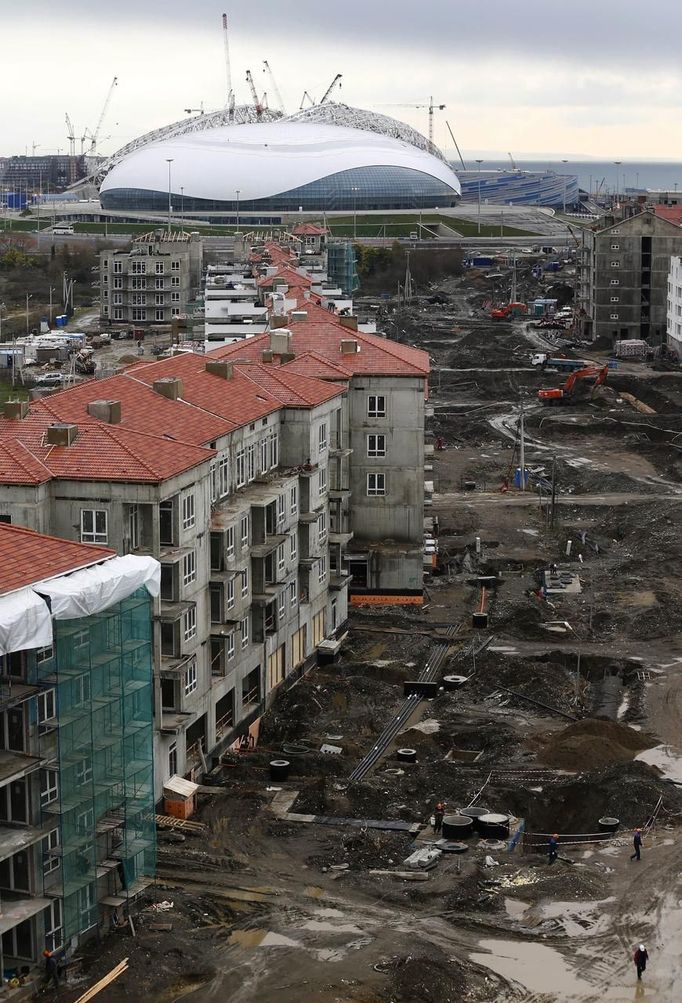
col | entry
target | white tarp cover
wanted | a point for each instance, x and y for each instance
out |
(94, 589)
(178, 785)
(25, 621)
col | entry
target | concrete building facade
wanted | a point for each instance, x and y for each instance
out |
(153, 282)
(674, 307)
(624, 277)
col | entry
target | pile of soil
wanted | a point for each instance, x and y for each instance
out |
(422, 978)
(591, 744)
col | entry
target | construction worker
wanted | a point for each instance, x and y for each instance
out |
(438, 813)
(637, 843)
(553, 848)
(640, 958)
(51, 969)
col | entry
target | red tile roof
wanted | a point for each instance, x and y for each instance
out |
(673, 213)
(314, 364)
(27, 557)
(291, 388)
(308, 230)
(100, 452)
(290, 277)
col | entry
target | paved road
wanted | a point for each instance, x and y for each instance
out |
(485, 498)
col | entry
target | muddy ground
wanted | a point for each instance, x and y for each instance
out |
(570, 712)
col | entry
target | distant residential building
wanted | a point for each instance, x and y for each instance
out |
(40, 174)
(153, 282)
(674, 314)
(623, 277)
(77, 833)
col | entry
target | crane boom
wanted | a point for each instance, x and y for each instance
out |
(273, 83)
(254, 94)
(95, 134)
(459, 153)
(71, 136)
(228, 68)
(306, 95)
(331, 87)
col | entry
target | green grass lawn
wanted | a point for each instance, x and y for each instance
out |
(390, 225)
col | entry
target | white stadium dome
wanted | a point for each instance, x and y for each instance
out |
(283, 166)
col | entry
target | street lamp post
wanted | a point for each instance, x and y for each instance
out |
(479, 162)
(169, 161)
(238, 192)
(2, 307)
(564, 162)
(182, 207)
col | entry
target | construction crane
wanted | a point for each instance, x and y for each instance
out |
(71, 136)
(431, 107)
(560, 395)
(191, 111)
(513, 162)
(228, 69)
(273, 84)
(331, 87)
(254, 94)
(95, 134)
(302, 104)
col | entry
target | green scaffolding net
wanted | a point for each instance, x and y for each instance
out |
(101, 791)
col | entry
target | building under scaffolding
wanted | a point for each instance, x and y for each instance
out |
(77, 827)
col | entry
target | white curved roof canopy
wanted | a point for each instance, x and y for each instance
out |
(265, 159)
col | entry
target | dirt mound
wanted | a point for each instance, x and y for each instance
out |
(424, 978)
(591, 744)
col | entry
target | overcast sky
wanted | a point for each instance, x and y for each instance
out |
(597, 78)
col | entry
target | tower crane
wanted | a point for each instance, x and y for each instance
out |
(95, 134)
(431, 107)
(273, 84)
(71, 136)
(254, 94)
(190, 111)
(331, 87)
(306, 95)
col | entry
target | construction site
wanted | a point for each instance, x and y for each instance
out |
(535, 692)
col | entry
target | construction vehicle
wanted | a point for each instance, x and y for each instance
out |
(84, 362)
(508, 311)
(560, 364)
(563, 395)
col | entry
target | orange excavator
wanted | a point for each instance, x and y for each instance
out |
(561, 395)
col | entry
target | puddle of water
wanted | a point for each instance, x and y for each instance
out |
(515, 908)
(260, 938)
(578, 918)
(540, 969)
(665, 758)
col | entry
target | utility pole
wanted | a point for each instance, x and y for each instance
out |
(408, 278)
(551, 522)
(513, 287)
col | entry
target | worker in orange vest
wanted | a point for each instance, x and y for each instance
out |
(438, 814)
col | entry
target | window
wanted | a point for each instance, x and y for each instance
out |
(282, 602)
(158, 283)
(172, 759)
(50, 852)
(293, 594)
(322, 437)
(322, 570)
(263, 455)
(241, 467)
(251, 464)
(223, 476)
(117, 299)
(160, 314)
(49, 789)
(46, 706)
(615, 231)
(94, 526)
(615, 282)
(293, 546)
(118, 268)
(189, 623)
(189, 568)
(175, 266)
(188, 516)
(615, 247)
(54, 931)
(376, 406)
(167, 523)
(245, 582)
(281, 558)
(376, 445)
(229, 542)
(175, 280)
(81, 690)
(175, 297)
(138, 267)
(83, 772)
(158, 268)
(376, 484)
(615, 264)
(322, 527)
(139, 314)
(229, 645)
(244, 631)
(229, 593)
(614, 316)
(44, 654)
(321, 480)
(244, 526)
(138, 284)
(293, 499)
(118, 313)
(274, 450)
(281, 510)
(191, 678)
(159, 299)
(615, 299)
(118, 283)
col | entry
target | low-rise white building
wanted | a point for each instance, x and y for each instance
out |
(674, 307)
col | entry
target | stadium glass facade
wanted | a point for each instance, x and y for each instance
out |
(355, 190)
